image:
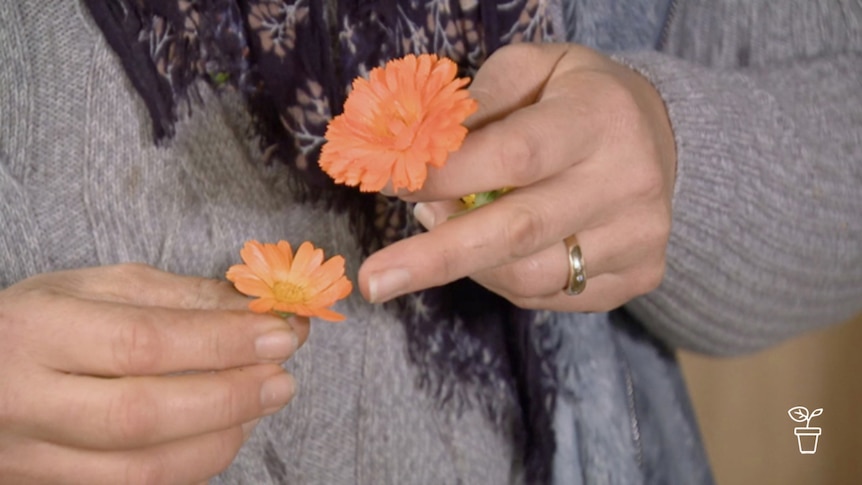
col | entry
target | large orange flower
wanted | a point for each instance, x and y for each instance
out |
(406, 115)
(300, 284)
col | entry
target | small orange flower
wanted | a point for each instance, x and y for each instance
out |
(300, 284)
(406, 115)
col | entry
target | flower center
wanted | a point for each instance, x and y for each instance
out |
(399, 123)
(288, 292)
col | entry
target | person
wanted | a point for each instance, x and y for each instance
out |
(705, 154)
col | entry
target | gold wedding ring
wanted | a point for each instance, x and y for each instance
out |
(577, 273)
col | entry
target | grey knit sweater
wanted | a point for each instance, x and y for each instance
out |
(765, 99)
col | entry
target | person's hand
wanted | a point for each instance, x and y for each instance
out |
(588, 147)
(98, 381)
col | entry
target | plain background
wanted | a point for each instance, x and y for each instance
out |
(742, 405)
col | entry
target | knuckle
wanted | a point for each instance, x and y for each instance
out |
(453, 261)
(510, 281)
(651, 237)
(649, 279)
(136, 346)
(621, 114)
(517, 157)
(649, 183)
(619, 99)
(626, 125)
(522, 232)
(231, 402)
(660, 232)
(653, 232)
(113, 279)
(658, 272)
(650, 282)
(132, 417)
(523, 278)
(448, 261)
(516, 54)
(219, 348)
(206, 294)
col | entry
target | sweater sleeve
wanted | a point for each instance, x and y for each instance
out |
(766, 240)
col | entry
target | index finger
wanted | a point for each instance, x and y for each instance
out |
(133, 319)
(141, 284)
(512, 227)
(114, 339)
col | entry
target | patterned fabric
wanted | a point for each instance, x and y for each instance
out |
(294, 61)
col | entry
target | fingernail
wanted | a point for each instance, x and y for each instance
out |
(276, 345)
(248, 428)
(424, 215)
(276, 392)
(387, 284)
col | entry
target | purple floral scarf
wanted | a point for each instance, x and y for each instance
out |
(294, 60)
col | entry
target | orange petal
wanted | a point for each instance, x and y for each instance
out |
(278, 257)
(253, 287)
(307, 259)
(239, 271)
(262, 305)
(326, 274)
(252, 254)
(329, 315)
(338, 290)
(320, 312)
(406, 115)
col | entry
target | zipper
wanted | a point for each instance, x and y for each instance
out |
(665, 31)
(633, 416)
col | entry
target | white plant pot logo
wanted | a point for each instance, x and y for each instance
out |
(806, 436)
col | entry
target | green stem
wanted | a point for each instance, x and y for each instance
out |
(481, 198)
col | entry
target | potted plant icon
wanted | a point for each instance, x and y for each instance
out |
(806, 436)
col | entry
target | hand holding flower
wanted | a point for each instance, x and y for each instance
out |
(587, 145)
(126, 373)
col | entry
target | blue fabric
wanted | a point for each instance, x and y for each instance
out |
(622, 414)
(616, 25)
